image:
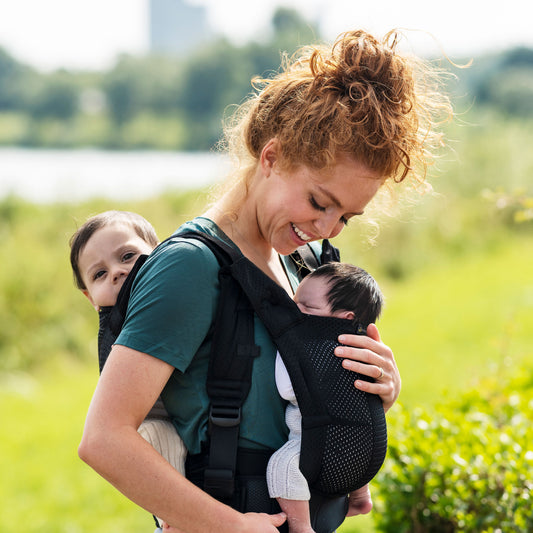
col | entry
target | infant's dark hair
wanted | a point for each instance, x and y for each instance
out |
(139, 224)
(352, 289)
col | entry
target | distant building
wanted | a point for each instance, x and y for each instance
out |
(177, 27)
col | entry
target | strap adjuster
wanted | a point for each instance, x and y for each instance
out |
(224, 416)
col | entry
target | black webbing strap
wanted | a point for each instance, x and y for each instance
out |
(306, 260)
(229, 377)
(118, 314)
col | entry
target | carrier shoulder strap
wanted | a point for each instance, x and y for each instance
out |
(231, 359)
(118, 314)
(230, 366)
(307, 260)
(229, 376)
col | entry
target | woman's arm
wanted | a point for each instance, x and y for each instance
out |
(128, 387)
(367, 355)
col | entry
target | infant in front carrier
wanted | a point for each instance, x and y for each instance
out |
(336, 290)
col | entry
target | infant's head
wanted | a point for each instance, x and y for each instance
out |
(341, 290)
(104, 250)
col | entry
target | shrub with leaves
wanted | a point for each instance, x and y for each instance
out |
(466, 466)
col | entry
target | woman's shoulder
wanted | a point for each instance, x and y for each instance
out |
(180, 248)
(178, 260)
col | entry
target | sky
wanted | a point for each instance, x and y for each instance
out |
(50, 34)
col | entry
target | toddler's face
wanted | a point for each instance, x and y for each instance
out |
(106, 261)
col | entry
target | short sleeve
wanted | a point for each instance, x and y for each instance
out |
(173, 303)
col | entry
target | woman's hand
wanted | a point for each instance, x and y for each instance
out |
(252, 523)
(367, 355)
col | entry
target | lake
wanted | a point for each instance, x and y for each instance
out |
(46, 176)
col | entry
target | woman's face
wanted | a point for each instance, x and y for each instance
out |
(303, 205)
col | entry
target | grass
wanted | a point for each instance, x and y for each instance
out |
(456, 275)
(449, 326)
(46, 487)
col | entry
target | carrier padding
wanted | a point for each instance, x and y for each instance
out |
(344, 433)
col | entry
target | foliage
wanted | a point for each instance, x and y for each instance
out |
(44, 318)
(502, 81)
(191, 94)
(15, 82)
(464, 466)
(58, 98)
(176, 94)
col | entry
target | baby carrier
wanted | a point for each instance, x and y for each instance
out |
(344, 436)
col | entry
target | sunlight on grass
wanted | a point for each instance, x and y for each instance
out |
(47, 488)
(449, 326)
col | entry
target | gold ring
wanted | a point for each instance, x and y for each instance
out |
(380, 373)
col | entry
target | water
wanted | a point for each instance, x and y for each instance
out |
(45, 176)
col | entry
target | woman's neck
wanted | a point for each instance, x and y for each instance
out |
(240, 225)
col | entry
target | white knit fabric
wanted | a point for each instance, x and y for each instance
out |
(162, 435)
(284, 478)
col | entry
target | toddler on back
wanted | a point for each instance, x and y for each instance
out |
(102, 253)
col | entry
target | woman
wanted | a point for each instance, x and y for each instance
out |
(315, 145)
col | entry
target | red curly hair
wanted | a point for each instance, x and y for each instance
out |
(359, 97)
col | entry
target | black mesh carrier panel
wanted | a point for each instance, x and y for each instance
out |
(344, 433)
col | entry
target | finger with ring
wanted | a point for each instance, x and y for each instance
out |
(380, 373)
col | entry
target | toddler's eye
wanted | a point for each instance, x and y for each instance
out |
(127, 256)
(98, 274)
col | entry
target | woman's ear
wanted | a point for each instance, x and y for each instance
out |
(269, 156)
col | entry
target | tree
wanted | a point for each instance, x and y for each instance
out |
(58, 98)
(506, 82)
(14, 83)
(291, 30)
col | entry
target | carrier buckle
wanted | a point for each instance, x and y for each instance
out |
(219, 482)
(225, 416)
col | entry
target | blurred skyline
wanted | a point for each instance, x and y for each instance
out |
(89, 35)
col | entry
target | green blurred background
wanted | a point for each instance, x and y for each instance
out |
(455, 264)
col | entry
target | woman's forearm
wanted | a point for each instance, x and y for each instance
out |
(128, 387)
(127, 461)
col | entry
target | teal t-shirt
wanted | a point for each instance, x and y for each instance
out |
(170, 315)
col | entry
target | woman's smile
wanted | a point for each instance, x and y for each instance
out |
(297, 206)
(302, 235)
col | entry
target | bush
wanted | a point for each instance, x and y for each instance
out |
(465, 466)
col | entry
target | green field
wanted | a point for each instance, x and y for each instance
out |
(449, 328)
(455, 269)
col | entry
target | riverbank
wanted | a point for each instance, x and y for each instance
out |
(47, 176)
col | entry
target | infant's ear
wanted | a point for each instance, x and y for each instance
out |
(86, 292)
(350, 315)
